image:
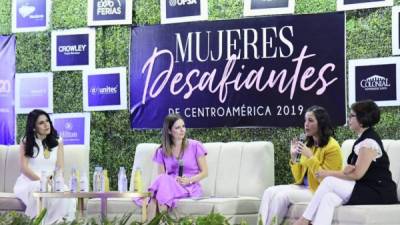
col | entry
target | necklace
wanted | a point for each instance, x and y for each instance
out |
(46, 153)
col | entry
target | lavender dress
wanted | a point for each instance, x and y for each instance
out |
(165, 189)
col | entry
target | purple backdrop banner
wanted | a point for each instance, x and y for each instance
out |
(7, 74)
(239, 73)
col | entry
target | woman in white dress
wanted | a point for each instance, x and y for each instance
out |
(41, 150)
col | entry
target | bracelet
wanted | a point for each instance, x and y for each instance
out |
(190, 181)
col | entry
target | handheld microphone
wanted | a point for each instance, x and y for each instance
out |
(180, 171)
(302, 139)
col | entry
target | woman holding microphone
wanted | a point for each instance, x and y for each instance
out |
(319, 151)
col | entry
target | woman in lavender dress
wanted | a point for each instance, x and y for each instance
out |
(176, 150)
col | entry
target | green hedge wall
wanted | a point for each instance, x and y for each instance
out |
(113, 143)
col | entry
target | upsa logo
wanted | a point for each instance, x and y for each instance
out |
(107, 90)
(374, 83)
(173, 3)
(5, 86)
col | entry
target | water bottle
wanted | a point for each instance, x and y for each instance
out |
(97, 179)
(84, 183)
(73, 182)
(122, 180)
(58, 180)
(138, 187)
(106, 181)
(43, 181)
(132, 181)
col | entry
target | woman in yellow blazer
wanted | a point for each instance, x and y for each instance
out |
(320, 151)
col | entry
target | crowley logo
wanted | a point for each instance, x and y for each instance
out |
(375, 83)
(108, 7)
(68, 126)
(108, 90)
(72, 49)
(173, 3)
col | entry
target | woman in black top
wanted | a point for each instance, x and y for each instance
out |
(365, 180)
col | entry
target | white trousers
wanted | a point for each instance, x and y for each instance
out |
(277, 199)
(331, 193)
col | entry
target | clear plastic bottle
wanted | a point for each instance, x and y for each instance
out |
(84, 183)
(138, 187)
(58, 180)
(73, 182)
(98, 179)
(43, 181)
(132, 181)
(122, 180)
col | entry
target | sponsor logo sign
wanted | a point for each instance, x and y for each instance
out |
(104, 89)
(74, 128)
(33, 91)
(30, 15)
(73, 49)
(268, 7)
(109, 12)
(176, 11)
(374, 79)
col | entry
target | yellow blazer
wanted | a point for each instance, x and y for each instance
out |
(328, 157)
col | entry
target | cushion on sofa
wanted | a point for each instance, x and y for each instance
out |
(355, 214)
(3, 154)
(12, 168)
(8, 202)
(225, 206)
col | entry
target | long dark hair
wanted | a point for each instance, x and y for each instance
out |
(325, 129)
(166, 139)
(50, 141)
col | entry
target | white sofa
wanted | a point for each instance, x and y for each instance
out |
(74, 156)
(363, 214)
(239, 172)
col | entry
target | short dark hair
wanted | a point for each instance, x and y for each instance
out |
(325, 129)
(367, 112)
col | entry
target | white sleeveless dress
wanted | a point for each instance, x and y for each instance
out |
(57, 209)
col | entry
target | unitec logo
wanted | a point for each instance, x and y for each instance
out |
(107, 90)
(173, 3)
(375, 82)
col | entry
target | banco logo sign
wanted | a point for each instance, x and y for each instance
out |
(174, 3)
(109, 7)
(72, 49)
(375, 83)
(107, 90)
(28, 10)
